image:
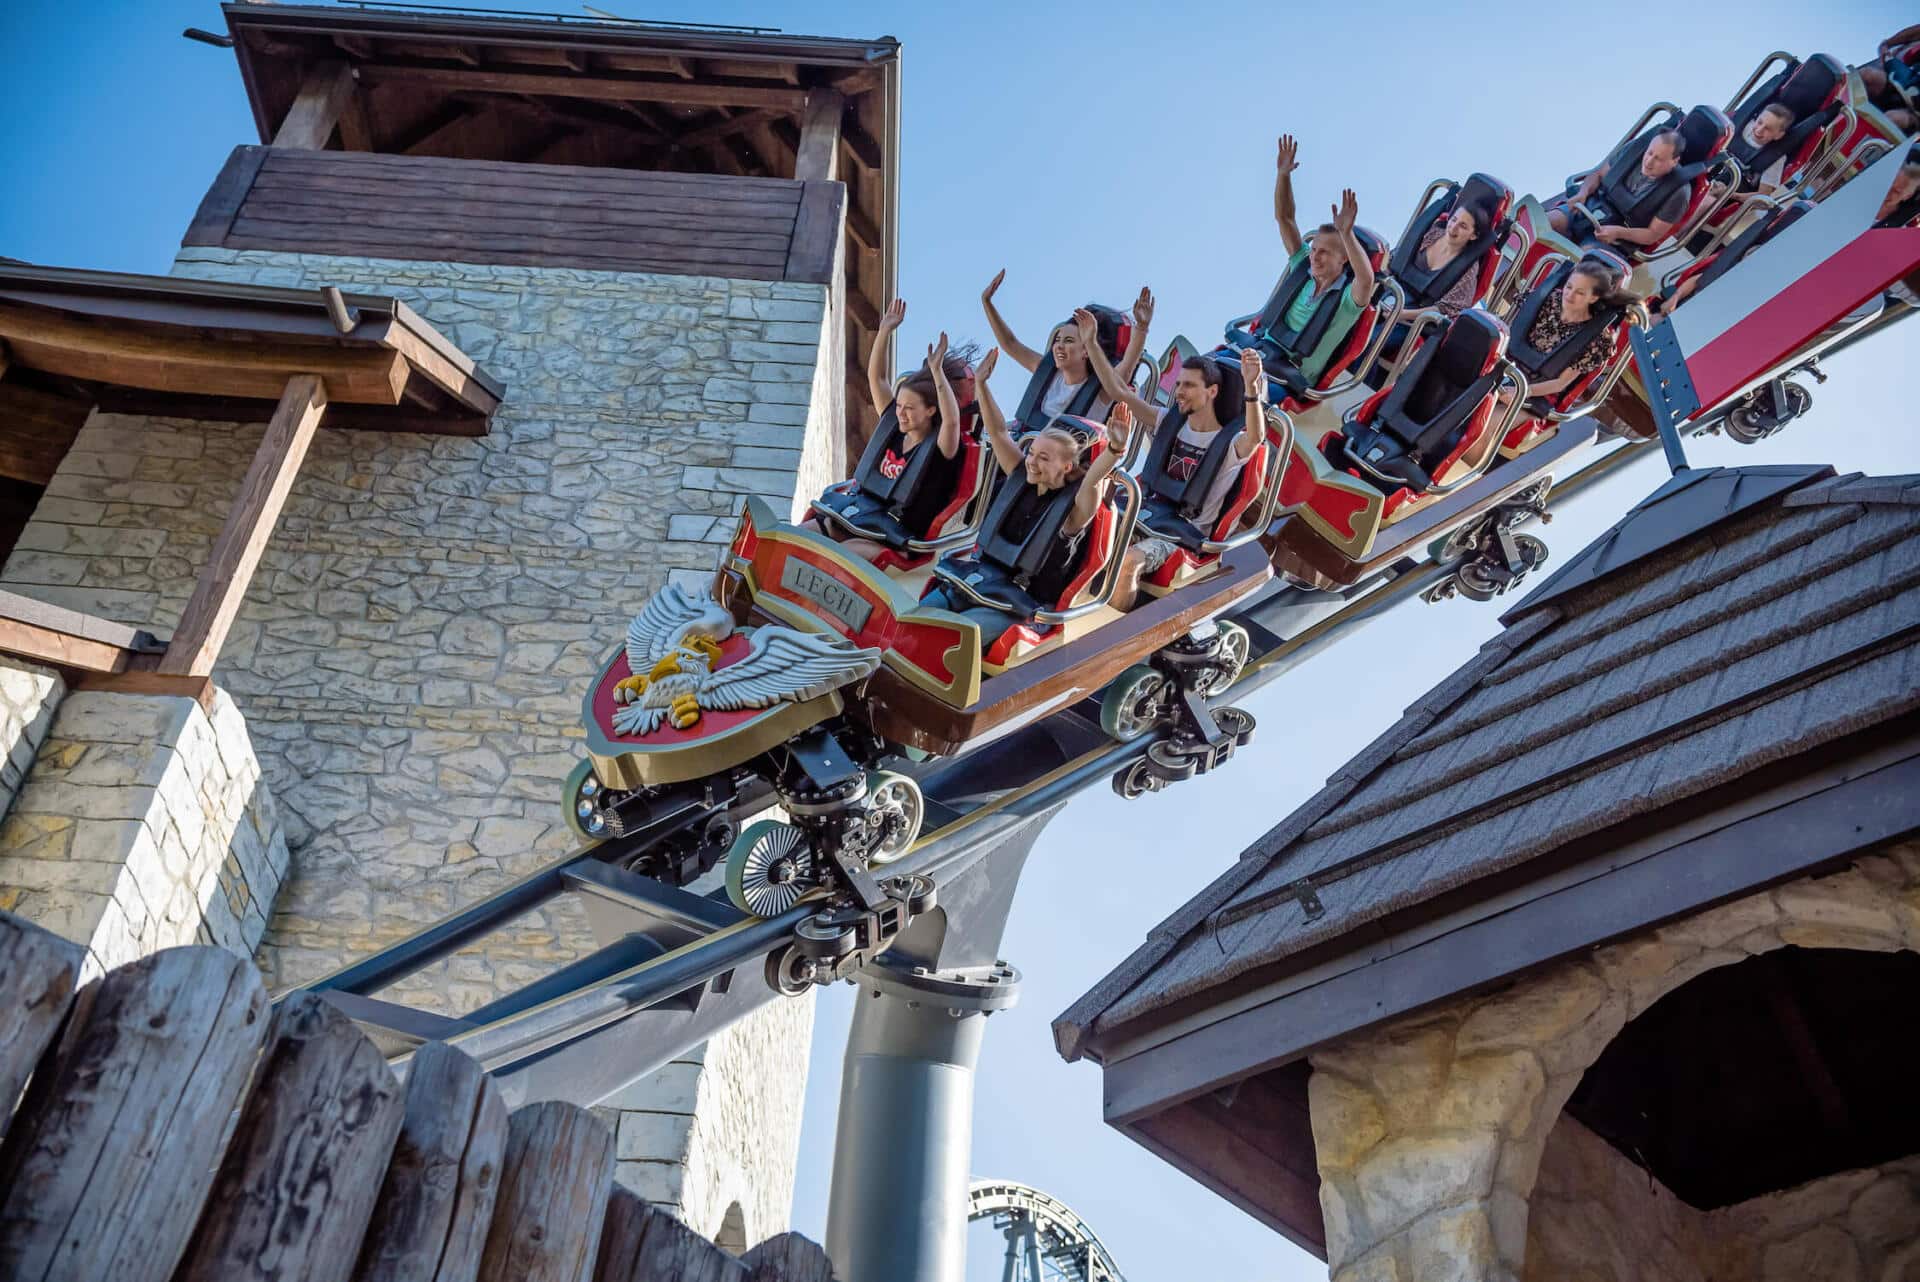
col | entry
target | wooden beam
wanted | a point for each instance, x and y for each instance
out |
(185, 362)
(817, 160)
(862, 310)
(316, 109)
(598, 88)
(58, 649)
(862, 145)
(597, 114)
(862, 227)
(816, 233)
(357, 47)
(218, 208)
(356, 131)
(256, 510)
(438, 122)
(718, 129)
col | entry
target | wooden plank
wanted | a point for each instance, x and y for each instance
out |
(200, 689)
(111, 1154)
(554, 1186)
(222, 201)
(788, 1258)
(348, 198)
(818, 157)
(431, 1221)
(58, 618)
(296, 1190)
(485, 221)
(176, 359)
(438, 123)
(43, 645)
(1235, 1162)
(817, 233)
(741, 264)
(862, 145)
(256, 509)
(441, 169)
(719, 129)
(316, 109)
(38, 975)
(596, 88)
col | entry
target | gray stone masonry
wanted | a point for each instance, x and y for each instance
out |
(144, 825)
(28, 697)
(413, 650)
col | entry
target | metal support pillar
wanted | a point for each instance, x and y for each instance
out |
(898, 1201)
(1670, 395)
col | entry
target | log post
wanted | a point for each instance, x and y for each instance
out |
(112, 1152)
(788, 1258)
(37, 974)
(552, 1205)
(256, 508)
(316, 110)
(819, 151)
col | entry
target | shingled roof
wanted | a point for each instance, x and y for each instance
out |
(1735, 619)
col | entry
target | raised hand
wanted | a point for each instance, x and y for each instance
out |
(993, 286)
(1143, 308)
(937, 355)
(1119, 426)
(1086, 325)
(985, 367)
(1253, 371)
(1288, 158)
(896, 312)
(1346, 212)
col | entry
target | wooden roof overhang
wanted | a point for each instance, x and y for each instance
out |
(554, 89)
(188, 348)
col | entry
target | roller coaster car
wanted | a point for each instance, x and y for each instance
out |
(872, 505)
(810, 668)
(1865, 133)
(1542, 415)
(1814, 91)
(1705, 133)
(1424, 286)
(1416, 463)
(1284, 348)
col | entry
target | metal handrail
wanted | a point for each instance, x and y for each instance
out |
(1383, 325)
(976, 509)
(1122, 540)
(1759, 74)
(1425, 320)
(1523, 239)
(1678, 237)
(1419, 208)
(1833, 137)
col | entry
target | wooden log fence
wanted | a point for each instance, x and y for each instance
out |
(166, 1123)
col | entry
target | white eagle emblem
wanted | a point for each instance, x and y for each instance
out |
(673, 644)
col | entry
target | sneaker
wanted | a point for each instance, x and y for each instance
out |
(1153, 554)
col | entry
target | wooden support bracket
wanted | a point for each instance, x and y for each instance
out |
(818, 158)
(256, 509)
(316, 110)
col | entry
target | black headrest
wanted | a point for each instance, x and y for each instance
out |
(1811, 83)
(1372, 242)
(1784, 218)
(1111, 328)
(1485, 189)
(1471, 338)
(1705, 132)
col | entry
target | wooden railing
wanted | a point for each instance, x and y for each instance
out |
(174, 1125)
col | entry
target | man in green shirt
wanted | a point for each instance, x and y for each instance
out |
(1333, 248)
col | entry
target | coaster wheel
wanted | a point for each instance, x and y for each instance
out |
(789, 971)
(1132, 704)
(769, 867)
(577, 802)
(1235, 647)
(1169, 763)
(1235, 722)
(896, 808)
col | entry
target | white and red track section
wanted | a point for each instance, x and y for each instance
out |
(1790, 290)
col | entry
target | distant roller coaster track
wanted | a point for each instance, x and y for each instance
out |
(1045, 1239)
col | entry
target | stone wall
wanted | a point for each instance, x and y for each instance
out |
(1595, 1216)
(1429, 1130)
(28, 697)
(412, 653)
(144, 824)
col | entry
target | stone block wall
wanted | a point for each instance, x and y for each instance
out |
(144, 824)
(28, 696)
(1598, 1217)
(1429, 1130)
(412, 652)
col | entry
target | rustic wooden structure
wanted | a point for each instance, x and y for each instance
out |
(166, 345)
(1716, 698)
(174, 1125)
(518, 109)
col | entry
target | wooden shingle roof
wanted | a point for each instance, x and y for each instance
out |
(1737, 619)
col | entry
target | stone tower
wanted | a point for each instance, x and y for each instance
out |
(656, 249)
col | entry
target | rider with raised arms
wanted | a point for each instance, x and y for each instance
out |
(1068, 347)
(1332, 248)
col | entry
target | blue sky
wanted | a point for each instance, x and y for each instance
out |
(1087, 149)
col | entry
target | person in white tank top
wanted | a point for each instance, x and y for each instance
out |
(1071, 366)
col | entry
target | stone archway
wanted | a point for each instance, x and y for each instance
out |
(1429, 1131)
